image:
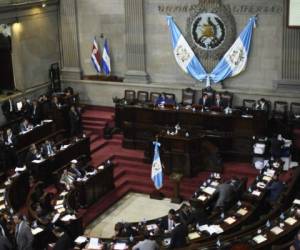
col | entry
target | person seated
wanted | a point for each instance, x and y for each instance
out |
(178, 235)
(218, 102)
(32, 154)
(274, 189)
(35, 112)
(9, 109)
(25, 126)
(186, 214)
(47, 149)
(167, 224)
(163, 100)
(124, 230)
(67, 179)
(262, 105)
(75, 170)
(147, 243)
(205, 102)
(296, 242)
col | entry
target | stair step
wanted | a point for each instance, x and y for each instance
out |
(94, 123)
(95, 146)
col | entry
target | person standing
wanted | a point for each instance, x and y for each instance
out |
(23, 234)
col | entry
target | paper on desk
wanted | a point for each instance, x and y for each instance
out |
(259, 239)
(94, 243)
(61, 210)
(276, 230)
(214, 183)
(47, 120)
(68, 217)
(230, 220)
(58, 207)
(296, 201)
(242, 211)
(36, 230)
(193, 236)
(2, 190)
(59, 202)
(64, 193)
(38, 161)
(211, 229)
(267, 178)
(256, 193)
(151, 227)
(1, 198)
(209, 190)
(2, 207)
(202, 198)
(291, 221)
(55, 218)
(80, 239)
(120, 246)
(270, 172)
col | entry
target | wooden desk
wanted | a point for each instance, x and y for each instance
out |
(44, 169)
(96, 186)
(38, 132)
(231, 133)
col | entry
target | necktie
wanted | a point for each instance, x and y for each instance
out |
(2, 232)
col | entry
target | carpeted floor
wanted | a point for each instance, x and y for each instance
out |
(131, 174)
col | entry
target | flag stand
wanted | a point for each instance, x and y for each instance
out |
(155, 194)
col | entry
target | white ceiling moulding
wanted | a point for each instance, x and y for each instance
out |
(16, 5)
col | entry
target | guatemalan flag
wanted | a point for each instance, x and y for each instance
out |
(156, 171)
(183, 53)
(235, 59)
(95, 56)
(106, 59)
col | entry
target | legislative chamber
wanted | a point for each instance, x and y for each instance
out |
(145, 125)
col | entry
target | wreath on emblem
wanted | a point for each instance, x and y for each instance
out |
(211, 30)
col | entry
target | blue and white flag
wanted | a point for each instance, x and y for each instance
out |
(235, 59)
(183, 53)
(156, 171)
(95, 56)
(106, 59)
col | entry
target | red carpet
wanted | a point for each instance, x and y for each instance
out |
(131, 173)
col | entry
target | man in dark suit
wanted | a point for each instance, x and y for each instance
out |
(274, 190)
(4, 243)
(226, 192)
(276, 146)
(23, 234)
(32, 155)
(47, 149)
(75, 170)
(35, 112)
(163, 100)
(9, 109)
(178, 235)
(167, 224)
(10, 142)
(218, 101)
(25, 126)
(75, 121)
(205, 101)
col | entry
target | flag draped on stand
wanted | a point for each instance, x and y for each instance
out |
(106, 59)
(95, 56)
(183, 53)
(232, 63)
(235, 59)
(156, 171)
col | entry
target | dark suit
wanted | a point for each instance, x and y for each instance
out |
(225, 193)
(166, 224)
(64, 242)
(75, 123)
(5, 244)
(35, 114)
(47, 150)
(77, 172)
(276, 146)
(24, 237)
(9, 109)
(178, 236)
(205, 103)
(10, 152)
(219, 103)
(274, 190)
(23, 127)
